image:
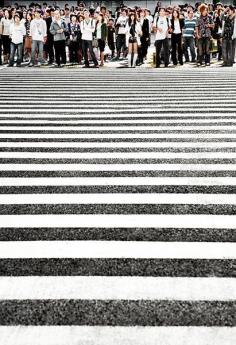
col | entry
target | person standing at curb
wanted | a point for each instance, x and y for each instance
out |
(161, 27)
(203, 30)
(38, 32)
(17, 33)
(87, 29)
(59, 29)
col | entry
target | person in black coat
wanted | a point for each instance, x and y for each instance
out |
(48, 46)
(177, 25)
(74, 36)
(145, 38)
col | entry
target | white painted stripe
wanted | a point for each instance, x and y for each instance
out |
(117, 167)
(121, 155)
(117, 249)
(104, 181)
(51, 126)
(133, 115)
(134, 288)
(119, 135)
(204, 199)
(108, 335)
(102, 119)
(116, 221)
(96, 110)
(159, 145)
(75, 103)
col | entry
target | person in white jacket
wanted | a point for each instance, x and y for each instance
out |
(88, 26)
(38, 32)
(17, 32)
(133, 34)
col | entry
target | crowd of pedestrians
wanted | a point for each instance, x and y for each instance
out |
(44, 35)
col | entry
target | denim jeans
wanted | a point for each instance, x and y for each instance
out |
(37, 46)
(204, 49)
(158, 45)
(87, 45)
(227, 52)
(189, 42)
(19, 49)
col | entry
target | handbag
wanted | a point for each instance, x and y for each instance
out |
(213, 46)
(28, 43)
(107, 50)
(94, 42)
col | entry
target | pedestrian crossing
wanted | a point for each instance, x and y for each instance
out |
(117, 207)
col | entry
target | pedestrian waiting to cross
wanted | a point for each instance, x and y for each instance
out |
(58, 29)
(133, 34)
(17, 32)
(88, 27)
(38, 32)
(227, 37)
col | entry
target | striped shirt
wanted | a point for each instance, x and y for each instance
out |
(189, 27)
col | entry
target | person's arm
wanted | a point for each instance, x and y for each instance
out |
(23, 30)
(52, 29)
(31, 28)
(44, 31)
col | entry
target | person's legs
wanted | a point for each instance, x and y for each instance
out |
(229, 53)
(186, 45)
(0, 51)
(12, 54)
(90, 47)
(233, 49)
(130, 52)
(192, 49)
(85, 52)
(207, 51)
(135, 52)
(200, 50)
(166, 51)
(173, 49)
(180, 48)
(19, 54)
(33, 51)
(63, 51)
(158, 45)
(57, 52)
(40, 51)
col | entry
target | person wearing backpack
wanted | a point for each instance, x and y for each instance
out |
(161, 28)
(88, 27)
(227, 34)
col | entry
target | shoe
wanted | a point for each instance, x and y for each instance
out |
(207, 64)
(166, 65)
(85, 66)
(18, 66)
(30, 65)
(199, 64)
(10, 65)
(158, 66)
